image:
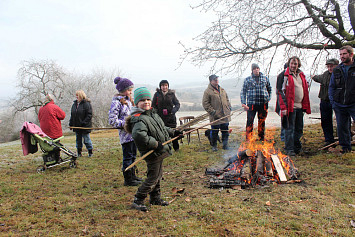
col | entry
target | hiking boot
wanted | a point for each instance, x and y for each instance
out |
(79, 153)
(129, 180)
(214, 148)
(159, 202)
(90, 153)
(138, 204)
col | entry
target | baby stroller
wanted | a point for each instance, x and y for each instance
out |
(31, 135)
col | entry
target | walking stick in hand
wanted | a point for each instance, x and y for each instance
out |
(174, 138)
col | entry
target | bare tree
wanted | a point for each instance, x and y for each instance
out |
(260, 30)
(37, 79)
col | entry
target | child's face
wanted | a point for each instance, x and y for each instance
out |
(145, 104)
(128, 92)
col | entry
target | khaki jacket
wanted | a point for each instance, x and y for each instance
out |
(216, 104)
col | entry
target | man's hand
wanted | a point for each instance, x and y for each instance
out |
(178, 133)
(246, 108)
(159, 147)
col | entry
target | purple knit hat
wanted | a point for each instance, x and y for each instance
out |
(122, 84)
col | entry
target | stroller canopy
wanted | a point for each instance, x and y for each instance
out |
(29, 128)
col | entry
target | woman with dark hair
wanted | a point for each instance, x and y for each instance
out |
(81, 116)
(166, 104)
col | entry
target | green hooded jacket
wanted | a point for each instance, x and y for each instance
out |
(147, 130)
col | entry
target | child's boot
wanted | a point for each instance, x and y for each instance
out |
(128, 178)
(156, 200)
(138, 204)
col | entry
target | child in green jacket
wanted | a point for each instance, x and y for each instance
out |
(149, 133)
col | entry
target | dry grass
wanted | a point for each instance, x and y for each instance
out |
(92, 201)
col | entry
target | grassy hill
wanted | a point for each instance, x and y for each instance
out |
(91, 200)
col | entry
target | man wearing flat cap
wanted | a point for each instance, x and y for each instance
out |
(326, 111)
(255, 97)
(215, 101)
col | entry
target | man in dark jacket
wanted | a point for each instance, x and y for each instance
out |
(292, 102)
(326, 111)
(166, 104)
(342, 95)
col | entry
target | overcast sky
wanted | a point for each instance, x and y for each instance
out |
(140, 37)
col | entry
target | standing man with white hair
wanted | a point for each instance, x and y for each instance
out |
(255, 97)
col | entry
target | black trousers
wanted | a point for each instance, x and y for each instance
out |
(262, 114)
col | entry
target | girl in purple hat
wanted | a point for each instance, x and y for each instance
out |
(120, 108)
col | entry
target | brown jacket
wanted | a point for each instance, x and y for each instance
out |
(217, 104)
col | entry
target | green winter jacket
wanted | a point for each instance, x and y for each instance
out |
(147, 130)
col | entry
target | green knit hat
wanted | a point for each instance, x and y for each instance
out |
(141, 93)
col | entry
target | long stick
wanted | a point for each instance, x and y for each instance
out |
(190, 131)
(90, 128)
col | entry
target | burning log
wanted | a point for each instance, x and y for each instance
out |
(292, 172)
(260, 162)
(279, 168)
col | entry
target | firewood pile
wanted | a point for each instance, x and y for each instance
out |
(253, 167)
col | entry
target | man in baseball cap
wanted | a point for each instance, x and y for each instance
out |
(326, 110)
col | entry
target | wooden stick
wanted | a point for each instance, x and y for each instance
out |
(90, 128)
(190, 131)
(330, 145)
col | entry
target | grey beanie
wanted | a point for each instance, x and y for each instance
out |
(254, 65)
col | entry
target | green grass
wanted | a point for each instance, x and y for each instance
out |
(92, 201)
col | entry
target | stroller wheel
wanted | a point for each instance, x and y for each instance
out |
(73, 164)
(41, 169)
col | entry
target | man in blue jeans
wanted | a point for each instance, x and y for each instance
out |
(292, 102)
(326, 110)
(342, 95)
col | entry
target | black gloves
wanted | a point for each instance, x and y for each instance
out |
(159, 147)
(179, 134)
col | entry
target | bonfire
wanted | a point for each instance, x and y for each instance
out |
(255, 163)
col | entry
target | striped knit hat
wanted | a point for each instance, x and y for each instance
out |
(141, 93)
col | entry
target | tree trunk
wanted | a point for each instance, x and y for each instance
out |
(351, 9)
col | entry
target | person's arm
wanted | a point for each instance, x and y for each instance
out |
(176, 103)
(331, 89)
(280, 93)
(155, 101)
(206, 103)
(114, 118)
(141, 137)
(243, 95)
(88, 116)
(269, 88)
(60, 114)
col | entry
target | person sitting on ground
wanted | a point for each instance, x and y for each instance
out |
(149, 133)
